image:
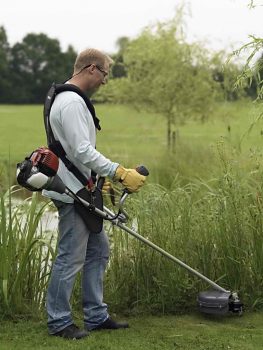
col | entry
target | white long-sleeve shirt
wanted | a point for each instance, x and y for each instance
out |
(73, 126)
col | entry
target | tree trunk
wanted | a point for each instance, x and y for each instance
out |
(173, 141)
(169, 131)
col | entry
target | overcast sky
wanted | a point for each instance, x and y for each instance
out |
(86, 23)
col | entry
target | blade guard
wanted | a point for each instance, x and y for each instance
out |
(219, 303)
(214, 302)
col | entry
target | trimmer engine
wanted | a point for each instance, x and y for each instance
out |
(37, 171)
(46, 161)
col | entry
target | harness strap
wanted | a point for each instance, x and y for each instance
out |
(54, 145)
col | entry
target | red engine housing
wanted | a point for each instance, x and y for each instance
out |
(45, 160)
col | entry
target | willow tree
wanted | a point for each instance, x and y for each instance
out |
(168, 76)
(252, 69)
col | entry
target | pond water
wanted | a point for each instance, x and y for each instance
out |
(49, 221)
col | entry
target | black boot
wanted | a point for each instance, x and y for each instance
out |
(110, 324)
(72, 332)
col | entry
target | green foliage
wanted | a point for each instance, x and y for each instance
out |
(166, 76)
(225, 73)
(210, 203)
(5, 83)
(25, 255)
(251, 75)
(36, 62)
(29, 67)
(164, 83)
(118, 69)
(214, 226)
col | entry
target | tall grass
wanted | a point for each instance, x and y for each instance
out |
(25, 255)
(214, 226)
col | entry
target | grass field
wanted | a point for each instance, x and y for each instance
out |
(195, 332)
(218, 221)
(131, 136)
(125, 133)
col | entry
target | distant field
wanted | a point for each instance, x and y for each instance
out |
(125, 132)
(130, 136)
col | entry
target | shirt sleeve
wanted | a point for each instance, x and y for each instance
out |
(76, 123)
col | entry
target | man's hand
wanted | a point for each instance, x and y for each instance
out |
(107, 186)
(108, 189)
(129, 178)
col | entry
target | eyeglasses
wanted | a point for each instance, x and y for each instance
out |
(102, 71)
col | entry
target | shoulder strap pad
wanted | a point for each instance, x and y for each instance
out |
(47, 107)
(54, 90)
(74, 88)
(55, 145)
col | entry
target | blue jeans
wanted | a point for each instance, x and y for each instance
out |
(77, 249)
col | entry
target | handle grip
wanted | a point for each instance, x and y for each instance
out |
(100, 182)
(142, 170)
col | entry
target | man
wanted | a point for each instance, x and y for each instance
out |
(78, 248)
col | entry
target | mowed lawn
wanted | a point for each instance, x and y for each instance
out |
(188, 332)
(131, 136)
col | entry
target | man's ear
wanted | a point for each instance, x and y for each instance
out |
(92, 68)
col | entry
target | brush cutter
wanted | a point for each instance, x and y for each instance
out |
(39, 171)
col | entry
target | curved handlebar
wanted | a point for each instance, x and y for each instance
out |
(100, 182)
(122, 214)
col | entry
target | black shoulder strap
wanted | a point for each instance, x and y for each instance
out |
(70, 87)
(54, 145)
(47, 107)
(54, 90)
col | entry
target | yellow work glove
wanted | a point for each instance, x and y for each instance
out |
(129, 178)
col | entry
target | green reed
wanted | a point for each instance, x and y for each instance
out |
(25, 254)
(214, 226)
